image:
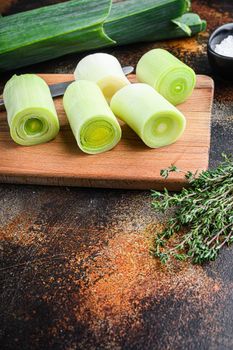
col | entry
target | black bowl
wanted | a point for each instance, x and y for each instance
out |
(222, 65)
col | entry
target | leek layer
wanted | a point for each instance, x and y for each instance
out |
(31, 113)
(94, 126)
(165, 73)
(157, 122)
(103, 69)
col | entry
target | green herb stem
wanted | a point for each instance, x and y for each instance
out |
(204, 212)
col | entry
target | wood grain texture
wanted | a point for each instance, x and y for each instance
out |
(131, 165)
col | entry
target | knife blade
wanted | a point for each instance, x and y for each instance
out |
(60, 88)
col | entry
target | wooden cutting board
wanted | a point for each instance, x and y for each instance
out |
(131, 165)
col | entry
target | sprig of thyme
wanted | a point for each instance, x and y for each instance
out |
(203, 212)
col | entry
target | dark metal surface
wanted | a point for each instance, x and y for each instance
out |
(75, 272)
(59, 89)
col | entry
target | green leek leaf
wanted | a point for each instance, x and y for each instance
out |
(81, 25)
(188, 22)
(133, 21)
(52, 31)
(183, 26)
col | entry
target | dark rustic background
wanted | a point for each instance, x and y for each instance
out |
(75, 272)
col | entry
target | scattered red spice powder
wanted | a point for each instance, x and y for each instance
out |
(124, 274)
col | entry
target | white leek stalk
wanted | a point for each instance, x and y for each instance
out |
(104, 70)
(31, 113)
(94, 125)
(157, 122)
(165, 73)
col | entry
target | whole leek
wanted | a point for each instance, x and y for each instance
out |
(76, 26)
(165, 73)
(154, 119)
(94, 126)
(31, 113)
(103, 69)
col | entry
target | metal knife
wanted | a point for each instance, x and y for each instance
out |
(60, 88)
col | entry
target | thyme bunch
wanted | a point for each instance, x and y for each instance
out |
(203, 215)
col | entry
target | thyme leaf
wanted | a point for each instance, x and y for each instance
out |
(202, 222)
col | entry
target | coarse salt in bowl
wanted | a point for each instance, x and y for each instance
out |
(225, 48)
(220, 51)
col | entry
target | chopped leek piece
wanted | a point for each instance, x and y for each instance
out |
(94, 126)
(103, 69)
(157, 122)
(31, 113)
(165, 73)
